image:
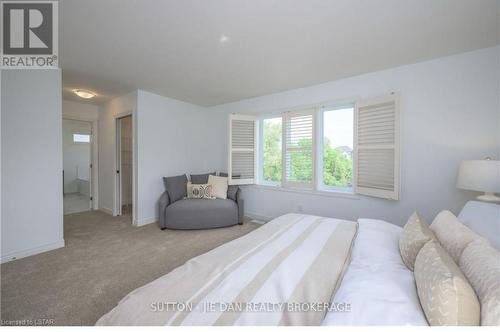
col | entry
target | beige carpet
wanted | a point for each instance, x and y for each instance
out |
(104, 259)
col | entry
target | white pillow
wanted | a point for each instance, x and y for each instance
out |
(480, 263)
(452, 234)
(219, 186)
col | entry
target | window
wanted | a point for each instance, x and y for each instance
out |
(271, 150)
(299, 149)
(338, 147)
(242, 149)
(81, 138)
(350, 148)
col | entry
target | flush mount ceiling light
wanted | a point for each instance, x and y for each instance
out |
(86, 94)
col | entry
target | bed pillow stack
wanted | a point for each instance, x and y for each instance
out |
(415, 235)
(444, 292)
(208, 186)
(477, 259)
(480, 263)
(453, 266)
(452, 234)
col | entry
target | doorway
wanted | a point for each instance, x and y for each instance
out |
(77, 175)
(124, 165)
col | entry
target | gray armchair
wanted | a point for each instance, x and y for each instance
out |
(201, 213)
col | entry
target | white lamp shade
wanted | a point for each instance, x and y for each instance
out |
(479, 175)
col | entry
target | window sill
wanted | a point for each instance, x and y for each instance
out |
(337, 194)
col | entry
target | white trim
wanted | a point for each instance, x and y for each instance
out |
(117, 206)
(337, 194)
(258, 219)
(145, 222)
(116, 177)
(30, 252)
(106, 210)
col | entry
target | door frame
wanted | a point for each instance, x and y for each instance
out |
(117, 206)
(94, 158)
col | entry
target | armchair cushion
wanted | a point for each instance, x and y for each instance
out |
(176, 187)
(232, 191)
(200, 178)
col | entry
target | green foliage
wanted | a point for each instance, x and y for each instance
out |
(337, 168)
(272, 151)
(301, 162)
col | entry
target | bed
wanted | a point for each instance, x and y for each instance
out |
(294, 270)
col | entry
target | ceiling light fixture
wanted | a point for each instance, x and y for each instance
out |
(86, 94)
(223, 38)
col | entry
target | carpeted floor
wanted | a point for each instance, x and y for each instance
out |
(104, 259)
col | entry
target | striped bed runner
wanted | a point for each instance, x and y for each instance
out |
(283, 273)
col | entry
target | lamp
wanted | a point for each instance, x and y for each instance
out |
(480, 175)
(85, 94)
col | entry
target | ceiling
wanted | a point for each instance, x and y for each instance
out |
(173, 47)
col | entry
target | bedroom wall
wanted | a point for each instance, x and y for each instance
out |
(79, 111)
(31, 157)
(449, 111)
(120, 106)
(173, 138)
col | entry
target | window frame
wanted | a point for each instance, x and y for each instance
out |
(320, 134)
(260, 145)
(81, 134)
(306, 186)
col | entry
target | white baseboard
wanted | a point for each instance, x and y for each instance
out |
(256, 217)
(106, 210)
(30, 252)
(144, 222)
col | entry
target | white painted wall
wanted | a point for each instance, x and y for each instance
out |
(76, 156)
(79, 111)
(174, 138)
(31, 142)
(450, 112)
(108, 112)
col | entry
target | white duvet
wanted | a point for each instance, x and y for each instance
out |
(378, 286)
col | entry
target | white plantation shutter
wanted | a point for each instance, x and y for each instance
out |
(376, 151)
(299, 147)
(242, 149)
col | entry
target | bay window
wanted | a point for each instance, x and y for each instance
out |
(347, 148)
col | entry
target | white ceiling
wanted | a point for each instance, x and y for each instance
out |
(173, 47)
